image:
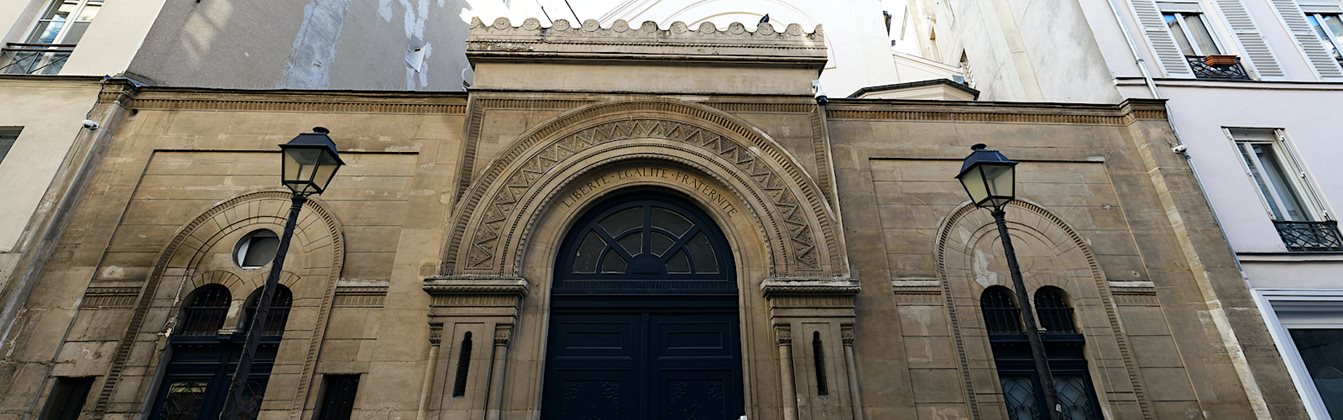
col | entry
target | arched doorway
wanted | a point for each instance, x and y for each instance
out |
(643, 319)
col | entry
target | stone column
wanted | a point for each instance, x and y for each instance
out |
(784, 333)
(846, 334)
(502, 334)
(427, 385)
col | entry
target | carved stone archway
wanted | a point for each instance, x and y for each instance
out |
(488, 222)
(790, 238)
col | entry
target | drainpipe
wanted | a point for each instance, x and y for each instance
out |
(1137, 58)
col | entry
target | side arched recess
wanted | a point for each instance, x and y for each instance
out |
(968, 262)
(318, 240)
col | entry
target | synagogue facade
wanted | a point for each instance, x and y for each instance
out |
(634, 222)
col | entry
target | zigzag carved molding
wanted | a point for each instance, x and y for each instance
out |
(490, 208)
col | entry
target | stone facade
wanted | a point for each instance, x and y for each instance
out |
(859, 261)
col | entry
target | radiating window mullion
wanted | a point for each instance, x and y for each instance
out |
(612, 243)
(646, 240)
(680, 244)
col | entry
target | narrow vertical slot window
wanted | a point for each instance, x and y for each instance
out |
(463, 367)
(818, 353)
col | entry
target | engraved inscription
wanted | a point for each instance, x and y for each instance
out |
(710, 194)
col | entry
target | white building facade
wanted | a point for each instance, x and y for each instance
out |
(53, 56)
(1254, 89)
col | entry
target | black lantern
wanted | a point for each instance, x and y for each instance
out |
(310, 162)
(990, 180)
(988, 177)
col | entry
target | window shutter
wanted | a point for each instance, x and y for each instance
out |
(1163, 44)
(1252, 44)
(1325, 65)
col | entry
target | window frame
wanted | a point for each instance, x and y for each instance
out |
(1298, 177)
(1335, 40)
(65, 29)
(1180, 17)
(1269, 301)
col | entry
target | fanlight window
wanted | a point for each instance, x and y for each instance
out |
(629, 242)
(205, 313)
(278, 314)
(1001, 316)
(645, 239)
(1056, 317)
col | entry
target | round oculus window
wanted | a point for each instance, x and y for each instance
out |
(256, 249)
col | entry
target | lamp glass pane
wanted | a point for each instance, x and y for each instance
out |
(999, 179)
(288, 167)
(323, 174)
(973, 180)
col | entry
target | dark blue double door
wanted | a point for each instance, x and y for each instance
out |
(648, 361)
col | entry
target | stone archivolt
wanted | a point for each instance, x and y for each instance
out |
(490, 221)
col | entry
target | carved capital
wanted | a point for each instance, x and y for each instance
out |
(846, 334)
(435, 334)
(784, 333)
(503, 333)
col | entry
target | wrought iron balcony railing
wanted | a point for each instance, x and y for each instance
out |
(1217, 67)
(18, 58)
(1310, 236)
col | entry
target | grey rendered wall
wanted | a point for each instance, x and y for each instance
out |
(305, 44)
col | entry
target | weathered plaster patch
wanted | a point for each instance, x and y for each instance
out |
(314, 48)
(983, 275)
(385, 10)
(417, 51)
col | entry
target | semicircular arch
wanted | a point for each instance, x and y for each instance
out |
(490, 222)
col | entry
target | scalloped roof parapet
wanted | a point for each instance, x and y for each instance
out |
(561, 38)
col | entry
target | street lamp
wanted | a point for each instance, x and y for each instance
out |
(989, 179)
(308, 164)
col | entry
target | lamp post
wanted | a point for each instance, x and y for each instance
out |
(308, 164)
(989, 179)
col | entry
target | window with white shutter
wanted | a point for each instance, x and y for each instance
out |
(1287, 192)
(1252, 44)
(1198, 44)
(1154, 28)
(1324, 63)
(1329, 26)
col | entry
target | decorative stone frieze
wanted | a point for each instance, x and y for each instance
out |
(706, 42)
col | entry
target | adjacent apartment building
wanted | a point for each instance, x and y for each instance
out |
(1254, 88)
(52, 62)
